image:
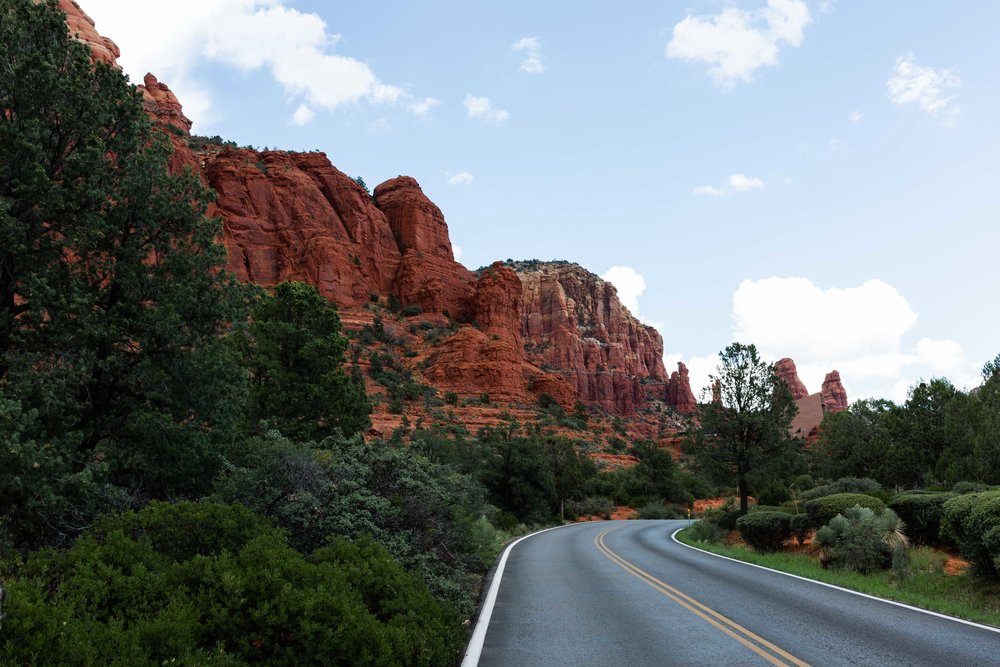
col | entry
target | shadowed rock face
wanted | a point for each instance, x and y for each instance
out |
(574, 324)
(786, 370)
(678, 391)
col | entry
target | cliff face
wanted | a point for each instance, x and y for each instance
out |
(81, 27)
(834, 394)
(574, 324)
(786, 370)
(678, 391)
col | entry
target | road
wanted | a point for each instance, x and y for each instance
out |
(624, 594)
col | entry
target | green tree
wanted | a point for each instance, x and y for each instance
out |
(295, 353)
(746, 430)
(516, 473)
(857, 442)
(113, 300)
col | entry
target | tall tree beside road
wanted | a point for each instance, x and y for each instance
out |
(746, 429)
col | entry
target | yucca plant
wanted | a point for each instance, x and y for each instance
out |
(862, 540)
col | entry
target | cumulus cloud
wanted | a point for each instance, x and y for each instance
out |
(295, 47)
(860, 331)
(700, 370)
(736, 183)
(856, 116)
(456, 250)
(424, 106)
(630, 285)
(736, 42)
(461, 178)
(532, 48)
(482, 107)
(928, 88)
(303, 115)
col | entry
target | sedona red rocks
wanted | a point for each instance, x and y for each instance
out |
(786, 370)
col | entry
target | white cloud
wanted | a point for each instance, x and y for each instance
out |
(456, 250)
(859, 331)
(249, 35)
(736, 42)
(928, 88)
(699, 371)
(856, 116)
(532, 46)
(303, 115)
(630, 285)
(787, 180)
(735, 183)
(836, 145)
(482, 107)
(461, 178)
(423, 107)
(827, 6)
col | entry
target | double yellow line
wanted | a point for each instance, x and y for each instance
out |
(757, 644)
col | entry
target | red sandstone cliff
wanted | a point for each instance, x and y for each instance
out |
(786, 370)
(834, 394)
(574, 324)
(81, 26)
(678, 391)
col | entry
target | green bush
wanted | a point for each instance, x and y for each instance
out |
(800, 526)
(844, 485)
(970, 487)
(138, 591)
(723, 518)
(661, 510)
(861, 540)
(765, 531)
(922, 514)
(705, 532)
(972, 522)
(822, 510)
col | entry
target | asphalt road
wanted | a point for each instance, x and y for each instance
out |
(624, 594)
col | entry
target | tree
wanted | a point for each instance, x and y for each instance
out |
(747, 430)
(295, 353)
(114, 306)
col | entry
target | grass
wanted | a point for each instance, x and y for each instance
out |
(927, 587)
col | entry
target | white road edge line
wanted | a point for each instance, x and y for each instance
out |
(475, 648)
(673, 536)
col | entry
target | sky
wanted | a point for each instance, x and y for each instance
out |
(816, 177)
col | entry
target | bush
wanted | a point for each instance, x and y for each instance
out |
(590, 506)
(723, 518)
(970, 487)
(141, 590)
(660, 510)
(765, 531)
(861, 540)
(800, 527)
(844, 485)
(822, 510)
(922, 514)
(972, 522)
(705, 532)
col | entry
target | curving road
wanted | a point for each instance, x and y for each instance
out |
(623, 593)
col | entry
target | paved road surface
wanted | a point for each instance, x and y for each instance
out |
(624, 594)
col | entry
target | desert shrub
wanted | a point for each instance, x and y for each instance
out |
(970, 487)
(660, 510)
(590, 506)
(972, 523)
(922, 514)
(451, 398)
(765, 531)
(822, 510)
(927, 560)
(705, 532)
(139, 590)
(844, 485)
(412, 310)
(859, 540)
(723, 518)
(800, 527)
(774, 493)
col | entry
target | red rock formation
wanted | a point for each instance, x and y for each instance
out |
(834, 394)
(429, 275)
(574, 324)
(162, 105)
(498, 303)
(678, 391)
(81, 27)
(786, 370)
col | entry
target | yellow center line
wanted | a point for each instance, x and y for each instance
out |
(706, 613)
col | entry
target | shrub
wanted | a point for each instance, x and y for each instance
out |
(822, 510)
(412, 310)
(723, 518)
(844, 485)
(800, 527)
(660, 510)
(590, 506)
(972, 522)
(765, 531)
(774, 493)
(922, 514)
(705, 532)
(860, 540)
(451, 398)
(970, 487)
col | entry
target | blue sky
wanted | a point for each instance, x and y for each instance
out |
(818, 178)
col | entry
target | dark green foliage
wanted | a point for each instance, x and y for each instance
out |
(922, 513)
(590, 506)
(723, 518)
(822, 510)
(516, 475)
(546, 401)
(972, 522)
(412, 310)
(661, 510)
(364, 186)
(706, 532)
(745, 433)
(774, 493)
(451, 398)
(295, 353)
(142, 589)
(969, 487)
(115, 374)
(428, 516)
(800, 527)
(843, 485)
(860, 539)
(765, 531)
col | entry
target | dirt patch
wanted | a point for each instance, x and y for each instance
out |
(956, 566)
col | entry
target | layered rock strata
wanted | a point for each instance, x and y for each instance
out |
(785, 369)
(678, 393)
